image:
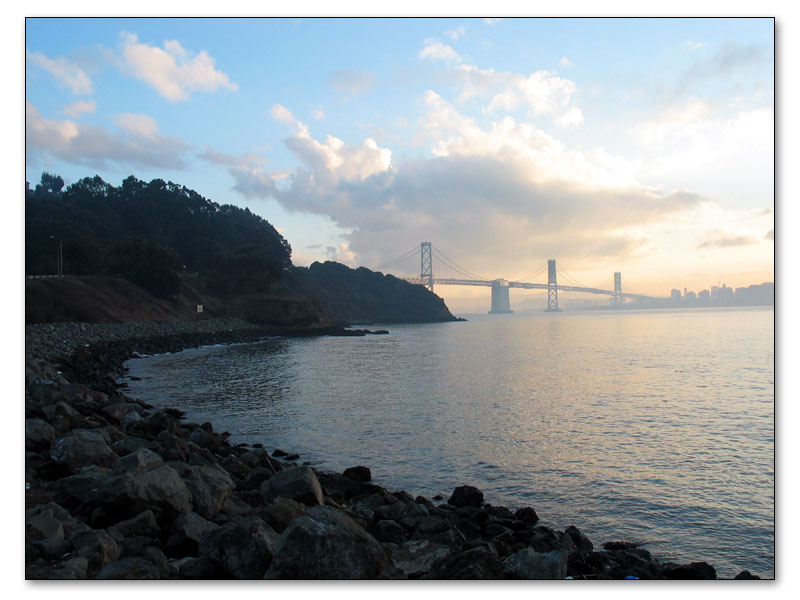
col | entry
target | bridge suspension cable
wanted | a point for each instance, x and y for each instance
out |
(569, 277)
(444, 260)
(413, 253)
(536, 273)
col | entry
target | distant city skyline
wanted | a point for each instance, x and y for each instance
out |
(636, 145)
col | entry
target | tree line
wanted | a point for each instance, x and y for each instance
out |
(149, 232)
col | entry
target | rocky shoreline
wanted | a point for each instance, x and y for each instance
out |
(119, 489)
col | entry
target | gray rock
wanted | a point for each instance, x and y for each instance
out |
(39, 435)
(327, 544)
(96, 546)
(466, 495)
(42, 526)
(131, 567)
(74, 568)
(281, 513)
(129, 419)
(187, 531)
(209, 486)
(82, 447)
(416, 557)
(475, 563)
(297, 483)
(143, 524)
(127, 494)
(239, 552)
(140, 461)
(529, 564)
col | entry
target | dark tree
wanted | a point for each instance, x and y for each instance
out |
(147, 264)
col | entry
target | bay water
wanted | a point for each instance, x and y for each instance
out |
(649, 426)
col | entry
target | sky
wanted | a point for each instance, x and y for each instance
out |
(644, 146)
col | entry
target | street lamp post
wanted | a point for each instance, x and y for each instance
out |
(59, 255)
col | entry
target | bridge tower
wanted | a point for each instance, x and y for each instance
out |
(501, 305)
(552, 287)
(426, 265)
(617, 289)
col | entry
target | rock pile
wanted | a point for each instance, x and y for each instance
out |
(119, 489)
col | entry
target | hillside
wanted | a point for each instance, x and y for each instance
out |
(154, 251)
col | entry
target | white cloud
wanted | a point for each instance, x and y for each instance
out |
(282, 114)
(503, 192)
(318, 114)
(436, 50)
(137, 144)
(492, 20)
(572, 118)
(565, 62)
(80, 107)
(350, 82)
(173, 71)
(65, 72)
(138, 125)
(455, 34)
(542, 92)
(690, 45)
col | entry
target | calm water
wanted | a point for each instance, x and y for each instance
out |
(654, 426)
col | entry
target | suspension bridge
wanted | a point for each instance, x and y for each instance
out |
(437, 269)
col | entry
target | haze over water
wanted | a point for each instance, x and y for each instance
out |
(650, 426)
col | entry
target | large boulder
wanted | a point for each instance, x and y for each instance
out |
(325, 543)
(130, 567)
(466, 495)
(187, 531)
(297, 483)
(416, 557)
(210, 487)
(126, 494)
(695, 570)
(39, 435)
(97, 547)
(475, 563)
(238, 551)
(529, 564)
(80, 448)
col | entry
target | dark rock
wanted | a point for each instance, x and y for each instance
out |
(360, 474)
(278, 453)
(199, 568)
(695, 570)
(74, 568)
(209, 486)
(529, 564)
(582, 543)
(39, 435)
(43, 525)
(476, 563)
(255, 477)
(187, 531)
(390, 531)
(466, 495)
(116, 411)
(140, 461)
(527, 515)
(325, 543)
(746, 575)
(143, 524)
(297, 483)
(96, 546)
(204, 439)
(52, 548)
(619, 545)
(280, 513)
(237, 551)
(415, 558)
(130, 444)
(82, 447)
(127, 494)
(156, 556)
(132, 567)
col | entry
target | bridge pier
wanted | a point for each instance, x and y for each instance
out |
(552, 287)
(501, 305)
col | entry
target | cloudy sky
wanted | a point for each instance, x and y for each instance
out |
(636, 145)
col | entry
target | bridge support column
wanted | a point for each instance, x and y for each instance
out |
(501, 305)
(617, 289)
(552, 287)
(426, 265)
